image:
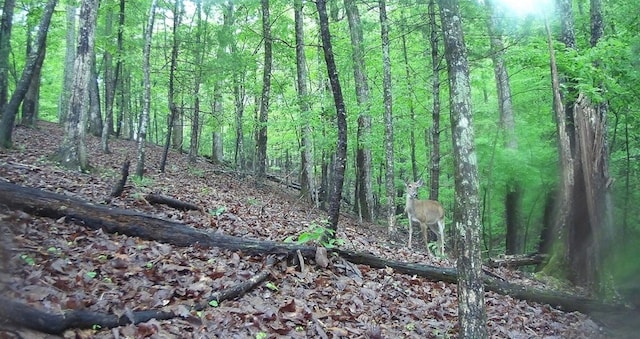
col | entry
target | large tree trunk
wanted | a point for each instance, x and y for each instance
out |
(261, 133)
(471, 309)
(69, 57)
(388, 120)
(146, 69)
(364, 192)
(341, 117)
(11, 109)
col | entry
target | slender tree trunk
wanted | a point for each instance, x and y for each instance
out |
(95, 114)
(261, 134)
(195, 122)
(412, 110)
(434, 161)
(11, 108)
(341, 115)
(364, 190)
(173, 109)
(146, 69)
(110, 90)
(388, 120)
(307, 181)
(513, 195)
(6, 24)
(30, 105)
(109, 76)
(471, 310)
(69, 57)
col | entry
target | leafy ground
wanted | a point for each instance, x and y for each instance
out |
(56, 266)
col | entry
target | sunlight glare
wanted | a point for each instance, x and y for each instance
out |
(527, 7)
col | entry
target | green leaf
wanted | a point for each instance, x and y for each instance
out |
(271, 286)
(214, 303)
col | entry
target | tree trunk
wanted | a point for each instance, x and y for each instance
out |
(30, 105)
(11, 109)
(307, 180)
(195, 121)
(513, 194)
(95, 114)
(341, 117)
(471, 309)
(146, 69)
(110, 86)
(6, 24)
(388, 120)
(261, 134)
(69, 57)
(364, 191)
(434, 162)
(173, 109)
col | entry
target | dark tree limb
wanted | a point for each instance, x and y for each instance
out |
(124, 174)
(154, 198)
(113, 220)
(26, 316)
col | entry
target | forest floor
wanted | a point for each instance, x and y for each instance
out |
(56, 265)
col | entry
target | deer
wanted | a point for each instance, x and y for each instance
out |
(425, 212)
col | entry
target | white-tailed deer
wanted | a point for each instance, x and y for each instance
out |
(427, 213)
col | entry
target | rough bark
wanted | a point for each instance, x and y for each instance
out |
(340, 161)
(261, 133)
(434, 160)
(6, 24)
(388, 120)
(307, 180)
(154, 198)
(11, 108)
(146, 69)
(173, 108)
(471, 310)
(115, 220)
(364, 190)
(69, 57)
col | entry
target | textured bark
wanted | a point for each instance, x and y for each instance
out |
(11, 108)
(434, 162)
(146, 98)
(341, 117)
(471, 310)
(6, 24)
(69, 57)
(513, 195)
(307, 180)
(261, 133)
(364, 190)
(173, 65)
(30, 104)
(388, 120)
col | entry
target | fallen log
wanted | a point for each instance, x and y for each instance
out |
(22, 315)
(114, 220)
(517, 260)
(154, 198)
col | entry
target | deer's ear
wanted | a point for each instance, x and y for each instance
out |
(420, 182)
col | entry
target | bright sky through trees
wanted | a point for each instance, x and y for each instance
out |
(527, 7)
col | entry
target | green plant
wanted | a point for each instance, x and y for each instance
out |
(318, 234)
(218, 211)
(142, 181)
(28, 259)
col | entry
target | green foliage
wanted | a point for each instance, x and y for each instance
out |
(142, 181)
(319, 235)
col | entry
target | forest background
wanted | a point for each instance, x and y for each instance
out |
(206, 78)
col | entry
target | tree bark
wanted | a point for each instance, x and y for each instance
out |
(173, 108)
(434, 161)
(364, 191)
(146, 69)
(30, 105)
(6, 24)
(388, 120)
(261, 133)
(341, 117)
(471, 308)
(307, 180)
(11, 109)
